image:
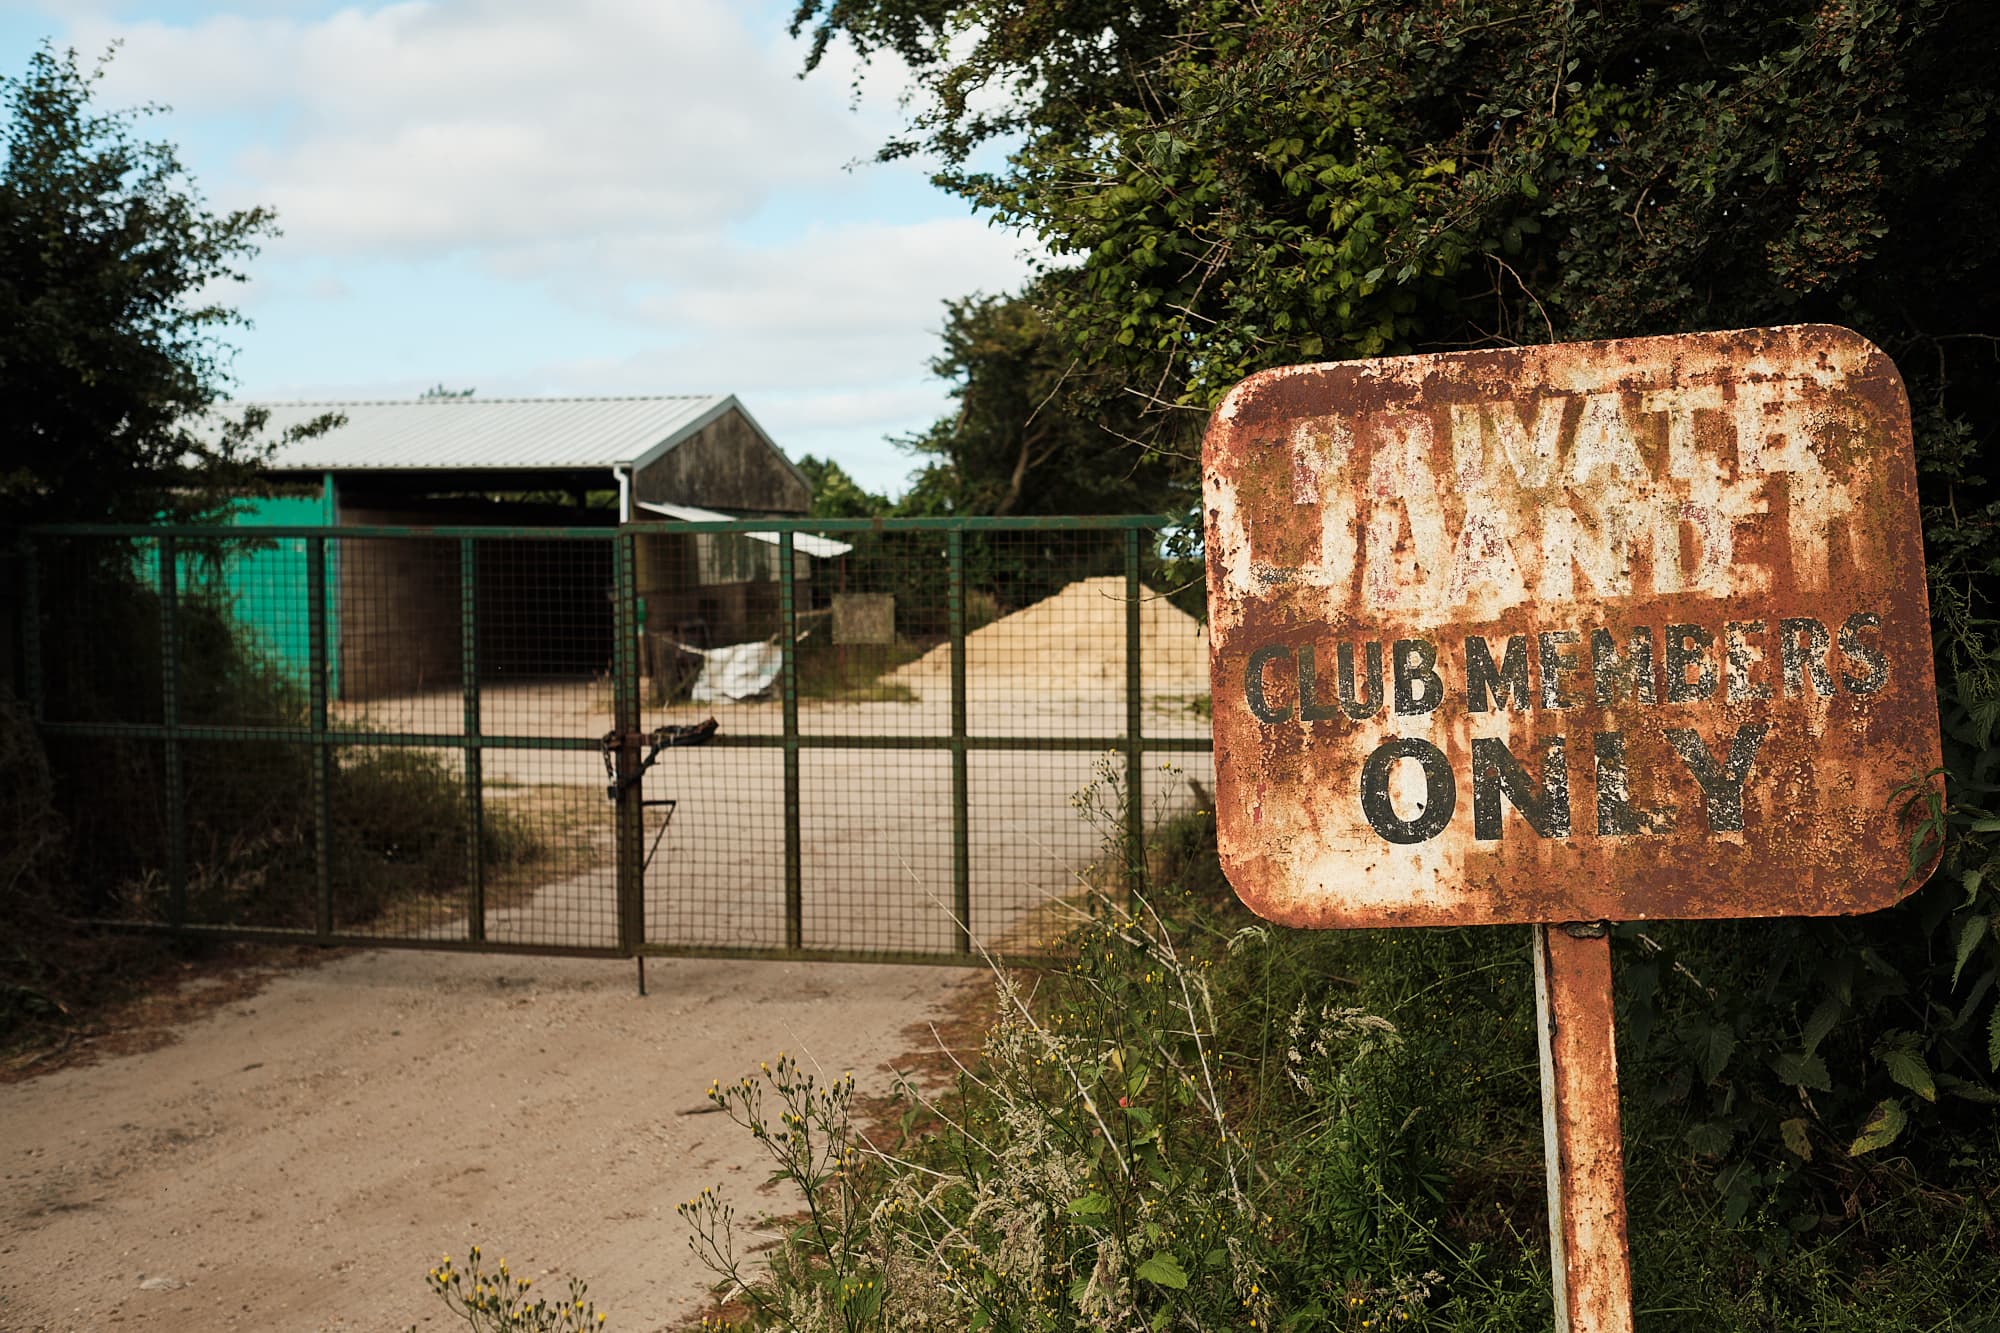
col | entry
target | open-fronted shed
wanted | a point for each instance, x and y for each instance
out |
(648, 462)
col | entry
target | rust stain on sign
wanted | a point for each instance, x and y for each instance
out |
(1596, 631)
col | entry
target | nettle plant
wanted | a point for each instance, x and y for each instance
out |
(1080, 1177)
(1814, 1065)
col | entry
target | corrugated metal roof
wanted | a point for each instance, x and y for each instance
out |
(824, 548)
(478, 433)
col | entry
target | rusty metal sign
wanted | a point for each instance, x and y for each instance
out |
(1615, 630)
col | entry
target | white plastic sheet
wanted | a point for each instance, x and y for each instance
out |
(736, 672)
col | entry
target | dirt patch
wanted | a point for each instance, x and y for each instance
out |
(312, 1141)
(167, 993)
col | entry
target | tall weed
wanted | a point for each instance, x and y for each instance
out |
(1206, 1122)
(1194, 1126)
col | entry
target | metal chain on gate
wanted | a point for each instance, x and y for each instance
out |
(608, 746)
(657, 740)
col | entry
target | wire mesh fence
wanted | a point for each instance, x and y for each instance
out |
(931, 737)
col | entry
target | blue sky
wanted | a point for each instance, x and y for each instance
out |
(593, 197)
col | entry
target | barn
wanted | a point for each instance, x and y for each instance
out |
(543, 606)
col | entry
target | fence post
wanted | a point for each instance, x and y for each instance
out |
(631, 831)
(170, 721)
(961, 813)
(475, 768)
(1135, 751)
(788, 687)
(322, 754)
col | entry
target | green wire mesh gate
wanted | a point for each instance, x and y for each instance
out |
(933, 737)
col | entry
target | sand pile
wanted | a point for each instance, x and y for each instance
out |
(1073, 643)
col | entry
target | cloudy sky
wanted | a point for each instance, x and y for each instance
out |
(591, 197)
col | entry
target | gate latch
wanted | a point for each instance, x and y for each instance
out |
(655, 741)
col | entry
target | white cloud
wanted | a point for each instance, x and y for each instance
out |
(653, 173)
(841, 284)
(419, 129)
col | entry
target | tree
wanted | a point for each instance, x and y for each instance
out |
(111, 365)
(837, 495)
(110, 361)
(1033, 433)
(1244, 185)
(1235, 185)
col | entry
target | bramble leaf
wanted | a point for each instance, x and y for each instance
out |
(1901, 1056)
(1969, 935)
(1163, 1270)
(1803, 1070)
(1823, 1020)
(1712, 1048)
(1882, 1129)
(1709, 1139)
(1793, 1132)
(1967, 1090)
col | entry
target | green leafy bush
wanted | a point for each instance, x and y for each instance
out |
(1193, 1127)
(1250, 185)
(90, 816)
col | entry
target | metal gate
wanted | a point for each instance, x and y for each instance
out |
(932, 737)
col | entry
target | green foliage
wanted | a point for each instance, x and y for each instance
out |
(1034, 432)
(111, 364)
(1211, 1123)
(30, 858)
(1850, 1041)
(1236, 186)
(837, 495)
(85, 837)
(1189, 1128)
(1928, 1266)
(400, 832)
(1248, 185)
(108, 349)
(499, 1302)
(830, 1274)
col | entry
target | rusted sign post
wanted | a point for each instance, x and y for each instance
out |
(1562, 636)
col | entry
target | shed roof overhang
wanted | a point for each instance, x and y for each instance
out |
(472, 434)
(823, 548)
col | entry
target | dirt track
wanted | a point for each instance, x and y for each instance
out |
(297, 1160)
